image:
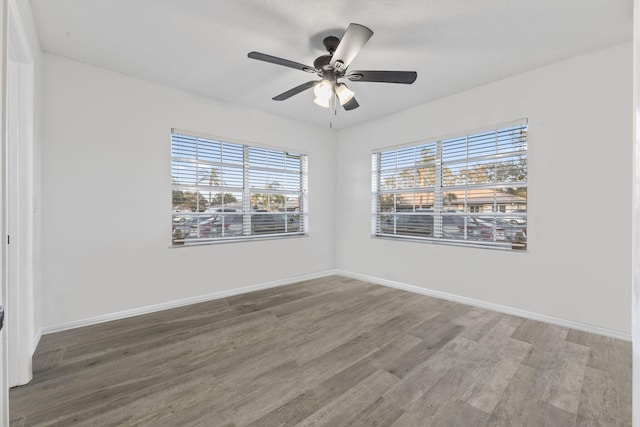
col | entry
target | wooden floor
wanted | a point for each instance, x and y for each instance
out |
(327, 352)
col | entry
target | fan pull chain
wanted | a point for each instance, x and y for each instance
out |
(333, 102)
(330, 114)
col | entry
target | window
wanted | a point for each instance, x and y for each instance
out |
(225, 191)
(467, 190)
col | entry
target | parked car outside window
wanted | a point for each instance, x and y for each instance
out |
(265, 222)
(453, 226)
(513, 230)
(488, 230)
(217, 225)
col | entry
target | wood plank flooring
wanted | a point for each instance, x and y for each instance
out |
(327, 352)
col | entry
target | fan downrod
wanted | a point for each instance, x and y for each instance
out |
(331, 44)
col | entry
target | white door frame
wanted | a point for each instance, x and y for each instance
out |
(19, 174)
(4, 359)
(635, 235)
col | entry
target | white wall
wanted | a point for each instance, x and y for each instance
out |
(107, 198)
(578, 266)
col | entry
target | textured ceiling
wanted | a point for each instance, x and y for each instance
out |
(201, 45)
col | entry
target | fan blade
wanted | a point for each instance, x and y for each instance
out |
(351, 104)
(279, 61)
(353, 39)
(296, 90)
(406, 77)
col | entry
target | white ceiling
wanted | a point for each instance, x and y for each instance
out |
(201, 45)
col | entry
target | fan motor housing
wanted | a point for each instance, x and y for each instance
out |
(322, 62)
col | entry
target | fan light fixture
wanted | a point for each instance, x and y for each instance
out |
(323, 92)
(344, 93)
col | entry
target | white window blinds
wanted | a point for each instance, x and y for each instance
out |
(470, 189)
(229, 191)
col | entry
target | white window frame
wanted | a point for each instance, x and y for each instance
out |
(240, 219)
(411, 186)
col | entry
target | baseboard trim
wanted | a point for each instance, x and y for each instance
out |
(181, 302)
(36, 341)
(379, 281)
(490, 306)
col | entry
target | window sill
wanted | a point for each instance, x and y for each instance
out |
(239, 240)
(506, 247)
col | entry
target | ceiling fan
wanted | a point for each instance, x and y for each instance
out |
(333, 66)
